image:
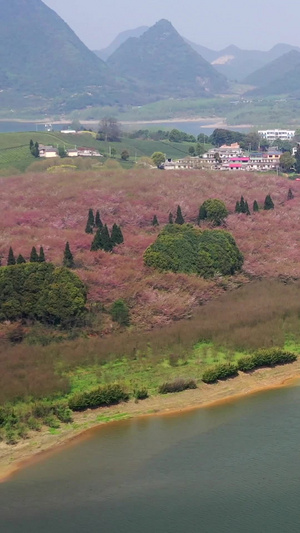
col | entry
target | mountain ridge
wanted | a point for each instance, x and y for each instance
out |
(165, 64)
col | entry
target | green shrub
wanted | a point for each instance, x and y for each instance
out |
(51, 421)
(64, 414)
(268, 357)
(11, 436)
(42, 409)
(99, 397)
(220, 371)
(33, 424)
(120, 313)
(188, 249)
(177, 385)
(246, 363)
(140, 394)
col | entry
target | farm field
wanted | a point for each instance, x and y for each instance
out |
(15, 154)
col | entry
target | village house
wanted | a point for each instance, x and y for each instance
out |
(47, 151)
(88, 152)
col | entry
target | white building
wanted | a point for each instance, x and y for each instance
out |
(47, 151)
(274, 135)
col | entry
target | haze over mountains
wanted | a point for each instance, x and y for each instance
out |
(281, 76)
(41, 57)
(232, 61)
(161, 61)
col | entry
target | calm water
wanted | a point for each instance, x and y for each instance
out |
(233, 468)
(194, 128)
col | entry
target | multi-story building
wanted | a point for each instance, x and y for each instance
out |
(275, 135)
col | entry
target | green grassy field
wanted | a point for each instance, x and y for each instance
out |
(15, 153)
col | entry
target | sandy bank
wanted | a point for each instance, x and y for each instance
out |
(39, 445)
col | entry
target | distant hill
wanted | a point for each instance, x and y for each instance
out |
(105, 53)
(237, 64)
(161, 63)
(40, 54)
(281, 76)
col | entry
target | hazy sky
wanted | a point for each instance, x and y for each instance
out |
(213, 23)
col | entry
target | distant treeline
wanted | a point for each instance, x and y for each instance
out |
(219, 137)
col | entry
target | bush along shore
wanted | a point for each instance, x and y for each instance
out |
(17, 420)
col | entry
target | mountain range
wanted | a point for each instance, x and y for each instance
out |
(161, 62)
(42, 58)
(232, 61)
(281, 76)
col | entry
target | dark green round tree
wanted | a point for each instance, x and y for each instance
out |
(214, 211)
(68, 260)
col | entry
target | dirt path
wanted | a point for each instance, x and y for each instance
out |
(40, 444)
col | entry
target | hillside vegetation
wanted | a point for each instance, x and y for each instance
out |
(15, 153)
(141, 331)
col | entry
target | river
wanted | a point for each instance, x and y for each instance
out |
(231, 468)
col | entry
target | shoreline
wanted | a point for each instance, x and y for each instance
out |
(208, 122)
(43, 444)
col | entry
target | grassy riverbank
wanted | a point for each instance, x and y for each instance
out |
(39, 445)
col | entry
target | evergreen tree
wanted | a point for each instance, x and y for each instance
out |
(68, 260)
(247, 210)
(42, 258)
(255, 206)
(171, 218)
(202, 214)
(34, 148)
(34, 258)
(237, 207)
(31, 145)
(116, 235)
(11, 258)
(155, 221)
(88, 228)
(97, 243)
(242, 205)
(98, 221)
(91, 219)
(268, 203)
(179, 218)
(20, 259)
(290, 194)
(107, 242)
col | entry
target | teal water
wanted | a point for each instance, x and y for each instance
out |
(231, 468)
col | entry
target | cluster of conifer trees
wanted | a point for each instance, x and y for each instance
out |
(243, 207)
(103, 239)
(35, 257)
(178, 219)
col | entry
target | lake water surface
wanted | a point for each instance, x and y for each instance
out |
(231, 468)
